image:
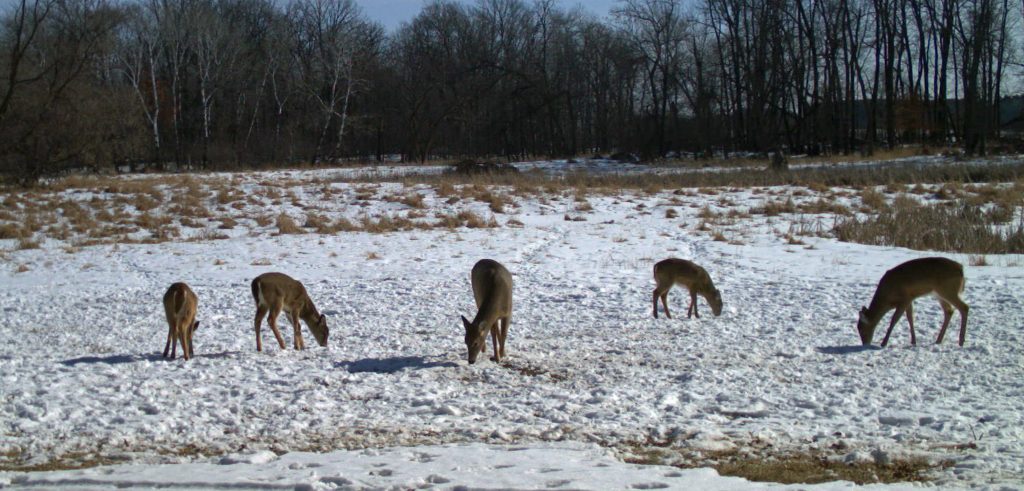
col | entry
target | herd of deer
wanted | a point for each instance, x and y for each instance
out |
(492, 290)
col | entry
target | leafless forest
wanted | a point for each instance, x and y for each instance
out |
(214, 84)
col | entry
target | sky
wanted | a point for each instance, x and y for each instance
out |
(391, 13)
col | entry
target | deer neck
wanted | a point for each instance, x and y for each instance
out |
(878, 307)
(704, 287)
(487, 314)
(308, 312)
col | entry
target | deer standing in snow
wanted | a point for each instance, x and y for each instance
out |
(277, 292)
(901, 285)
(670, 272)
(180, 304)
(492, 290)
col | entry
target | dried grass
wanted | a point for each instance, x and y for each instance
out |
(12, 231)
(775, 208)
(25, 243)
(286, 226)
(960, 227)
(872, 199)
(413, 200)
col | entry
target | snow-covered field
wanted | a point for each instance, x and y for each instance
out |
(591, 377)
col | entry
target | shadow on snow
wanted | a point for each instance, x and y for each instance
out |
(392, 365)
(111, 360)
(122, 359)
(845, 350)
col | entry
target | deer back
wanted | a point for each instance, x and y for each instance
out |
(916, 278)
(271, 288)
(492, 288)
(180, 302)
(683, 272)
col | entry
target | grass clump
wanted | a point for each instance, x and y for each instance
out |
(464, 218)
(286, 226)
(25, 243)
(872, 199)
(12, 231)
(956, 227)
(775, 208)
(386, 223)
(413, 200)
(809, 469)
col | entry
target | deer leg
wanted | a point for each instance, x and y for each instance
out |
(275, 311)
(494, 341)
(260, 312)
(664, 303)
(170, 335)
(693, 304)
(298, 331)
(656, 295)
(947, 315)
(910, 320)
(183, 336)
(504, 333)
(174, 340)
(895, 318)
(963, 308)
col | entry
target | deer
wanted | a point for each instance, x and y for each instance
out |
(276, 292)
(180, 304)
(899, 287)
(673, 271)
(492, 290)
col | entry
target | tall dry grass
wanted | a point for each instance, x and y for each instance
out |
(585, 184)
(950, 227)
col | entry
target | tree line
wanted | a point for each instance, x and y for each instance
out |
(220, 83)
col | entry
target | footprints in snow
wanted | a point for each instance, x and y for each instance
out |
(423, 469)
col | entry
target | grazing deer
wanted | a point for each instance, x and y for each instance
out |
(901, 285)
(492, 289)
(275, 292)
(180, 304)
(682, 272)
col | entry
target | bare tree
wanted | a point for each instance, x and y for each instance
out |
(331, 36)
(657, 30)
(138, 52)
(50, 47)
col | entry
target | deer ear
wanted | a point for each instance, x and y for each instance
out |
(466, 323)
(195, 325)
(863, 314)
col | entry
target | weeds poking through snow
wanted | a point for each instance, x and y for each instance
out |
(285, 225)
(960, 227)
(27, 243)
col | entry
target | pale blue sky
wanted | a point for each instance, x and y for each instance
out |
(392, 13)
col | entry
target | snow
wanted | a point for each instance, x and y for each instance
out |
(590, 374)
(467, 466)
